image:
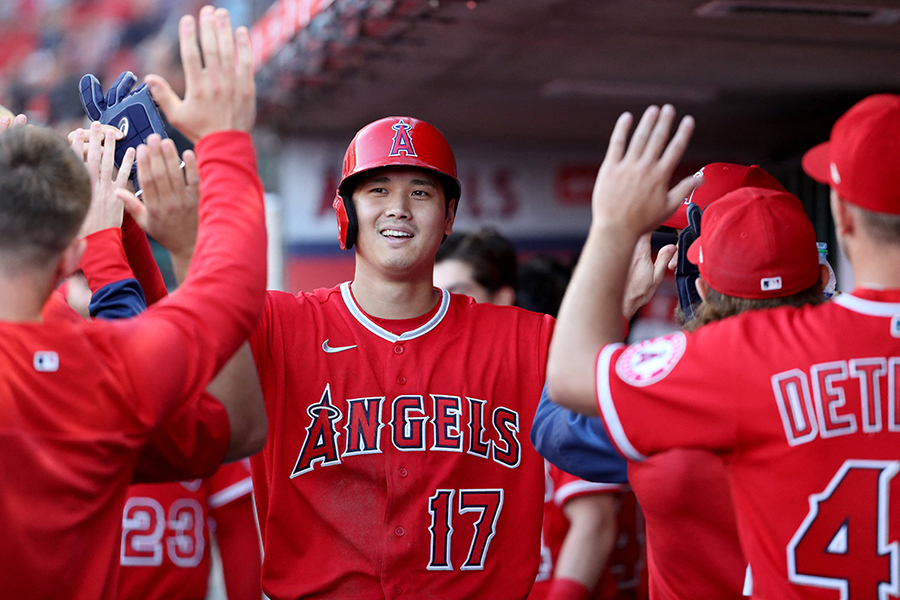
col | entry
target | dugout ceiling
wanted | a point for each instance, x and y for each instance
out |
(763, 78)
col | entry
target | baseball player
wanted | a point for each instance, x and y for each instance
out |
(164, 548)
(684, 492)
(397, 462)
(82, 399)
(806, 425)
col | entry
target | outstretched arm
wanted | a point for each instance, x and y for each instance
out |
(222, 296)
(630, 199)
(168, 213)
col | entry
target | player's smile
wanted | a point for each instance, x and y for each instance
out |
(396, 233)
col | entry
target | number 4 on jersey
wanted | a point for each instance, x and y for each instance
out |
(843, 543)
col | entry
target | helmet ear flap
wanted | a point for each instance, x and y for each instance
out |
(346, 220)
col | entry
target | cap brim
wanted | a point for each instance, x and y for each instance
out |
(677, 220)
(693, 253)
(817, 162)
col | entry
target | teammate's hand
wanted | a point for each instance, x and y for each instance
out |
(631, 191)
(106, 207)
(7, 121)
(218, 95)
(170, 197)
(645, 275)
(85, 135)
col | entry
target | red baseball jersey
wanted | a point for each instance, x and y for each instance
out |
(803, 405)
(560, 488)
(399, 464)
(165, 543)
(81, 399)
(685, 495)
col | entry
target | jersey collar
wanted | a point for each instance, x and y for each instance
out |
(868, 306)
(380, 331)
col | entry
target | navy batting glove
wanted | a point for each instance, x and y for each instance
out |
(134, 112)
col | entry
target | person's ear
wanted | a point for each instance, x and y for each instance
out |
(450, 217)
(69, 259)
(505, 296)
(844, 217)
(702, 288)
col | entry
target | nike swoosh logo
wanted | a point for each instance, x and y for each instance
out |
(331, 350)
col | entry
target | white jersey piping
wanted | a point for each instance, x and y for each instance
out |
(608, 409)
(867, 307)
(380, 331)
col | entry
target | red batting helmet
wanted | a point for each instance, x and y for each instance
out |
(389, 142)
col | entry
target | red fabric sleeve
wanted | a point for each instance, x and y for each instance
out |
(239, 547)
(104, 259)
(191, 444)
(179, 344)
(140, 257)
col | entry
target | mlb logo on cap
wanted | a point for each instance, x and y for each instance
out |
(770, 284)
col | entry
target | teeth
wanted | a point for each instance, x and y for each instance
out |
(395, 233)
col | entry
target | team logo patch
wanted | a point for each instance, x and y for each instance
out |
(649, 361)
(402, 140)
(895, 326)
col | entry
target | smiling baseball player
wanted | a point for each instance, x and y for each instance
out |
(398, 463)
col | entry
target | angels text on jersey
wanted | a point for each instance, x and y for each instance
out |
(458, 424)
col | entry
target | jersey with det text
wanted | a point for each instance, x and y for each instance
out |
(81, 399)
(560, 488)
(802, 403)
(165, 546)
(399, 465)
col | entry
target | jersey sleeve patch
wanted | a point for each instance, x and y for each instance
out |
(650, 361)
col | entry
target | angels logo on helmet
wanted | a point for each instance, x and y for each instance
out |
(402, 141)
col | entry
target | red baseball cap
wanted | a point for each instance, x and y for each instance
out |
(756, 243)
(861, 160)
(718, 180)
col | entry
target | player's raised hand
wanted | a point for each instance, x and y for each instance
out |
(168, 212)
(10, 120)
(85, 136)
(631, 190)
(106, 207)
(645, 275)
(220, 93)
